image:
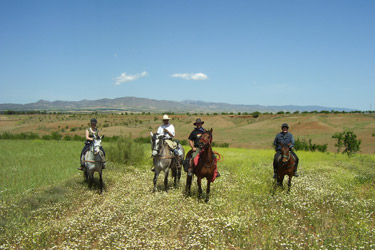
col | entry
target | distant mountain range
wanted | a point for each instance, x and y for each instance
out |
(135, 104)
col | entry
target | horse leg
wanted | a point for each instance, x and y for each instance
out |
(199, 181)
(188, 184)
(281, 182)
(289, 182)
(174, 175)
(178, 174)
(85, 175)
(208, 190)
(101, 181)
(166, 180)
(91, 179)
(155, 179)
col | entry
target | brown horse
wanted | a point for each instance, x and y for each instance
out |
(285, 166)
(206, 165)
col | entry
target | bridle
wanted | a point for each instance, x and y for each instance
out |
(205, 142)
(159, 145)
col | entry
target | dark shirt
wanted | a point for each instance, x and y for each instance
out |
(283, 138)
(195, 136)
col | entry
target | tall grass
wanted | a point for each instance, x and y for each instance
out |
(125, 150)
(26, 165)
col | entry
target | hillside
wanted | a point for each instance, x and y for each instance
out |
(237, 130)
(136, 104)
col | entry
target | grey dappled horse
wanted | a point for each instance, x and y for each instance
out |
(94, 162)
(164, 159)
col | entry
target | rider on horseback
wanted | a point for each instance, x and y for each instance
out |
(91, 133)
(284, 138)
(194, 138)
(168, 131)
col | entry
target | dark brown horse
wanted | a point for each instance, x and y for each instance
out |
(285, 166)
(206, 165)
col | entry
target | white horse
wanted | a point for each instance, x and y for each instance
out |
(94, 159)
(164, 159)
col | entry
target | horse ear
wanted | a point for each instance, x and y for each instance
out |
(151, 134)
(211, 131)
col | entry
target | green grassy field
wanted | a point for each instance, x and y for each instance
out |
(46, 204)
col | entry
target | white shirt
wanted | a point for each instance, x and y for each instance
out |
(170, 129)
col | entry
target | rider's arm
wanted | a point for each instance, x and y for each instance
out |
(170, 130)
(291, 141)
(275, 142)
(87, 135)
(191, 143)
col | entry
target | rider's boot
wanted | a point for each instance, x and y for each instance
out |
(295, 171)
(190, 169)
(175, 152)
(82, 164)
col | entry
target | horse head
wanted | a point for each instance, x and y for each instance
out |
(97, 143)
(156, 143)
(206, 138)
(285, 152)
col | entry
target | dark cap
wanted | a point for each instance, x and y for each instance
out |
(198, 121)
(93, 120)
(285, 125)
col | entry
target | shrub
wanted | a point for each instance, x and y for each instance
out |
(220, 145)
(309, 146)
(184, 142)
(126, 151)
(78, 138)
(142, 139)
(255, 114)
(67, 138)
(347, 139)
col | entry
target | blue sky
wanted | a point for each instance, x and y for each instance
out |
(240, 52)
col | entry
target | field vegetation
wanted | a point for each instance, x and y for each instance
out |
(45, 203)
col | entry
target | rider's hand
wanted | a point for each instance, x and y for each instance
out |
(194, 149)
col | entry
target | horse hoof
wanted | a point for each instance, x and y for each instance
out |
(206, 200)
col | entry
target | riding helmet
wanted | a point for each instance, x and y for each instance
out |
(93, 120)
(284, 125)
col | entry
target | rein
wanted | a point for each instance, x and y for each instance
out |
(162, 157)
(287, 156)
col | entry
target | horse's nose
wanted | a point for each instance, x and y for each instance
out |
(154, 152)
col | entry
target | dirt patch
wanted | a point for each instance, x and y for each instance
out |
(312, 125)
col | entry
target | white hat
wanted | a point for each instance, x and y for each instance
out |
(165, 117)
